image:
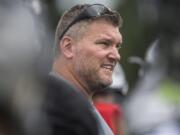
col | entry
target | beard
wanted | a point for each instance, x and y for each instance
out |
(90, 76)
(92, 80)
(88, 70)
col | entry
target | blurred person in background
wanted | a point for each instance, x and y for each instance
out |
(20, 67)
(109, 101)
(154, 106)
(87, 40)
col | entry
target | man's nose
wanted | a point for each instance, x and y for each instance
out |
(114, 54)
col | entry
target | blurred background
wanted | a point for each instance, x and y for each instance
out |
(150, 57)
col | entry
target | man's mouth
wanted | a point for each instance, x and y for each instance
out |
(109, 67)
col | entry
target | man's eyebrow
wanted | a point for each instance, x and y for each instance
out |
(109, 39)
(105, 39)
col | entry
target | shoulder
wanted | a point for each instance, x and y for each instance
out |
(67, 110)
(61, 90)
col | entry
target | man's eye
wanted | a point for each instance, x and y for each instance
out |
(105, 43)
(119, 47)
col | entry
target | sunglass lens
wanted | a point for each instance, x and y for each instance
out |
(96, 10)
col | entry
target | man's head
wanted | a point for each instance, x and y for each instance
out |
(73, 21)
(88, 37)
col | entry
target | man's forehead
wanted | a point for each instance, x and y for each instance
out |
(104, 29)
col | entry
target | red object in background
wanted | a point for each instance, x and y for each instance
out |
(113, 115)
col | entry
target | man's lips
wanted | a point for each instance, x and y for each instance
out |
(108, 66)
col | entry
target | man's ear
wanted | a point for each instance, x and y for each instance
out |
(66, 45)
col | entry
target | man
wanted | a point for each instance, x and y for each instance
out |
(86, 52)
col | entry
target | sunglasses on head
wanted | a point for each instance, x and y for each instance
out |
(91, 11)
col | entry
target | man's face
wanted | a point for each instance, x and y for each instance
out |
(96, 54)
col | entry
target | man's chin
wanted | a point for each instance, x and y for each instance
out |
(106, 78)
(107, 83)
